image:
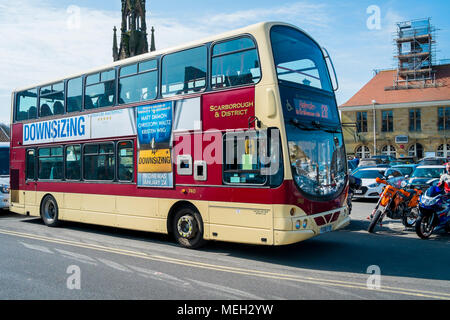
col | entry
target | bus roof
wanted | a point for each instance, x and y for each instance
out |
(251, 29)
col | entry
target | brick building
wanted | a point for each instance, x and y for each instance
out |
(412, 121)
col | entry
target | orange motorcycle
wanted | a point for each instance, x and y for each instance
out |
(396, 203)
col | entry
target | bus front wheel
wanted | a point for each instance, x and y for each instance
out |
(50, 212)
(188, 228)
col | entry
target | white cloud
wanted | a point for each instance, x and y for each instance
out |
(39, 41)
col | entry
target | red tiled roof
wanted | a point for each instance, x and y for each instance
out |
(375, 90)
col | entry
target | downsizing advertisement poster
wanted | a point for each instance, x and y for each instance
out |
(154, 131)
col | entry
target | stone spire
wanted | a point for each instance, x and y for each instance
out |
(152, 41)
(115, 48)
(133, 40)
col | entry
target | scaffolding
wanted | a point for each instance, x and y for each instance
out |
(415, 54)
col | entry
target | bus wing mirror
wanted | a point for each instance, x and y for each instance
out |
(327, 57)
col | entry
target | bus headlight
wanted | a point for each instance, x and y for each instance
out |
(297, 224)
(305, 223)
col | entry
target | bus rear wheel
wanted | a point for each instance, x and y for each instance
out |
(188, 228)
(50, 212)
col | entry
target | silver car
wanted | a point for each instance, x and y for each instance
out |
(370, 189)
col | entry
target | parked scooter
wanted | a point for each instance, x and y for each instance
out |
(395, 203)
(434, 207)
(354, 184)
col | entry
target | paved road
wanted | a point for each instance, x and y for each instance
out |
(89, 262)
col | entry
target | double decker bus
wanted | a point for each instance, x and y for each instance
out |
(234, 138)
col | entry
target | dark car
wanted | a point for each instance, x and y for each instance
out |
(423, 176)
(432, 161)
(385, 158)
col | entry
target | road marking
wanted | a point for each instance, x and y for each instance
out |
(114, 265)
(255, 273)
(228, 290)
(36, 247)
(77, 256)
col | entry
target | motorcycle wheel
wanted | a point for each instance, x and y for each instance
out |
(423, 228)
(374, 221)
(409, 219)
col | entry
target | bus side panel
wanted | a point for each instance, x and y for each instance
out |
(241, 222)
(206, 146)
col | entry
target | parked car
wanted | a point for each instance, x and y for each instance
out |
(403, 160)
(385, 158)
(430, 161)
(405, 169)
(369, 162)
(424, 176)
(4, 175)
(370, 189)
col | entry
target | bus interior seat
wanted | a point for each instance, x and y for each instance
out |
(103, 101)
(88, 103)
(45, 110)
(58, 107)
(32, 113)
(23, 115)
(73, 104)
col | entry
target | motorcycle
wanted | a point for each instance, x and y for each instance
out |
(395, 203)
(353, 185)
(434, 208)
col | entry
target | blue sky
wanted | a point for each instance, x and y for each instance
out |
(47, 39)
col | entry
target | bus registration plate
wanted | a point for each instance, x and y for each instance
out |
(326, 229)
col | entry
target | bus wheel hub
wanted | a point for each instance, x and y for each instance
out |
(185, 226)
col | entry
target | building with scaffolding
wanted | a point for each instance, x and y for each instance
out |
(415, 54)
(405, 111)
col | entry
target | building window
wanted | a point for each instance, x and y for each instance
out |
(416, 150)
(361, 121)
(389, 151)
(362, 152)
(443, 151)
(387, 121)
(415, 120)
(444, 118)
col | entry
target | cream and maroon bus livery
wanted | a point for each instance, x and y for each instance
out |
(233, 138)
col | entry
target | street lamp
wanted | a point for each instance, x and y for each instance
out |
(374, 129)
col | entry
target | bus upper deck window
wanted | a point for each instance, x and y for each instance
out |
(235, 62)
(51, 100)
(184, 72)
(138, 82)
(100, 90)
(26, 102)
